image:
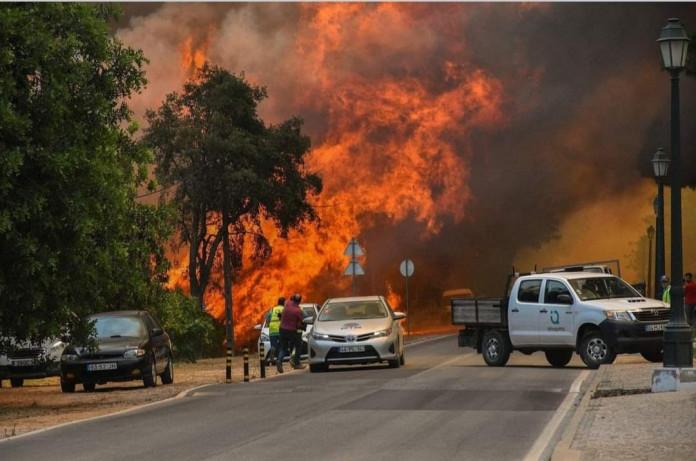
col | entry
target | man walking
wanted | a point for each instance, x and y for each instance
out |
(689, 297)
(291, 321)
(273, 322)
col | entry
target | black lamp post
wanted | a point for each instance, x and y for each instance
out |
(651, 234)
(660, 167)
(678, 352)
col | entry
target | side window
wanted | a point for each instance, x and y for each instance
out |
(553, 289)
(150, 322)
(529, 291)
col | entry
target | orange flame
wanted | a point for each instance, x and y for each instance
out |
(387, 152)
(193, 55)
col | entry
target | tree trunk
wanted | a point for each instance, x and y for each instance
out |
(227, 275)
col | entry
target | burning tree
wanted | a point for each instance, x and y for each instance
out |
(233, 178)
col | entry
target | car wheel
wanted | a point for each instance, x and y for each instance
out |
(595, 351)
(559, 359)
(402, 359)
(653, 355)
(89, 387)
(396, 363)
(150, 378)
(67, 387)
(495, 348)
(17, 382)
(317, 367)
(168, 375)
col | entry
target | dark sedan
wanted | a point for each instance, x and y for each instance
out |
(130, 345)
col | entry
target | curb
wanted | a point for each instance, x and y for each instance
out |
(562, 450)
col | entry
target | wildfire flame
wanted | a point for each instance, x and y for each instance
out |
(388, 151)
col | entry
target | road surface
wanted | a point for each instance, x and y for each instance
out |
(444, 404)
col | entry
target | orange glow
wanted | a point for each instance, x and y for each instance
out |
(387, 151)
(193, 55)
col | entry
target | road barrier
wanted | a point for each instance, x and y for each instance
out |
(246, 365)
(262, 359)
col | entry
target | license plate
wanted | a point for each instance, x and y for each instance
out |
(656, 327)
(351, 349)
(101, 366)
(23, 363)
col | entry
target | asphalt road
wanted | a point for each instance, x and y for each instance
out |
(444, 404)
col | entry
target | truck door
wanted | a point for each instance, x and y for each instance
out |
(556, 319)
(523, 314)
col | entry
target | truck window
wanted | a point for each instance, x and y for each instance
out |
(529, 291)
(553, 289)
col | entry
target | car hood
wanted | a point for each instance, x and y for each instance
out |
(620, 304)
(352, 327)
(107, 345)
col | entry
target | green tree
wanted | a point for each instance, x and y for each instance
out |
(73, 240)
(231, 171)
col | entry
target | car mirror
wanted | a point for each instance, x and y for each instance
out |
(399, 316)
(258, 326)
(564, 298)
(308, 320)
(157, 332)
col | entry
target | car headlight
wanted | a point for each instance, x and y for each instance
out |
(620, 315)
(317, 335)
(69, 357)
(265, 338)
(134, 353)
(381, 333)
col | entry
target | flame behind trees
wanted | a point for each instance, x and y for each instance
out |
(233, 174)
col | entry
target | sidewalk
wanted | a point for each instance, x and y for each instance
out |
(624, 421)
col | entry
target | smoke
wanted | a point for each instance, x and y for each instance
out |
(468, 137)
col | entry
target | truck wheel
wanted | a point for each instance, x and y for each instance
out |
(17, 382)
(653, 355)
(495, 348)
(560, 358)
(595, 351)
(89, 387)
(66, 386)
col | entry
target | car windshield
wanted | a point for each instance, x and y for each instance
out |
(116, 327)
(352, 310)
(308, 311)
(602, 288)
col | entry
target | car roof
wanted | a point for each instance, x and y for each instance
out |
(354, 298)
(119, 314)
(569, 275)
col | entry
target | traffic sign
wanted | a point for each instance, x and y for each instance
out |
(354, 268)
(407, 267)
(353, 249)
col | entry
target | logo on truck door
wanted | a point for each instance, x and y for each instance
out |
(555, 317)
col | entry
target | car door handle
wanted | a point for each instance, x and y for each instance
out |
(514, 310)
(543, 311)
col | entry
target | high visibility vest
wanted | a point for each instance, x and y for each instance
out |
(666, 296)
(274, 321)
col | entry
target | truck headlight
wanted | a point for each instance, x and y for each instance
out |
(134, 353)
(381, 333)
(317, 335)
(620, 315)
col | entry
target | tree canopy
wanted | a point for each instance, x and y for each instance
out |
(73, 239)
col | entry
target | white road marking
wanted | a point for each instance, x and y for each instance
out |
(542, 442)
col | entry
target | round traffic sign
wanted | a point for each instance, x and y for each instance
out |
(407, 267)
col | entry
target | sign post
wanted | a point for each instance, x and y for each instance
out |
(354, 268)
(407, 268)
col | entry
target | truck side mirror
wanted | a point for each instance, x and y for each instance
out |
(564, 298)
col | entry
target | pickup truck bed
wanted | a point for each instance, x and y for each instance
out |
(484, 312)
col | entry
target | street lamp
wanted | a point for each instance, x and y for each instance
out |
(651, 234)
(660, 163)
(678, 352)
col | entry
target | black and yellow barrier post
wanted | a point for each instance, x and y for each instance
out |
(246, 365)
(228, 367)
(262, 359)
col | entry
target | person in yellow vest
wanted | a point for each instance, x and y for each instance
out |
(666, 298)
(273, 322)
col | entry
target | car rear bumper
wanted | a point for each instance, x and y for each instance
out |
(375, 350)
(126, 370)
(630, 337)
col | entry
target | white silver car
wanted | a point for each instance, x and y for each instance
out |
(358, 330)
(308, 309)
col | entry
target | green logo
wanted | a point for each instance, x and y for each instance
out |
(555, 317)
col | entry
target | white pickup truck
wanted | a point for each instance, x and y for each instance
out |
(594, 314)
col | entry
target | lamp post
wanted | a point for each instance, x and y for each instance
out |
(678, 352)
(651, 234)
(660, 163)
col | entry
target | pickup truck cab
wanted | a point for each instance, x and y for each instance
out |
(597, 315)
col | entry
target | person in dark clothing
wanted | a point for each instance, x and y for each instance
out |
(689, 297)
(291, 321)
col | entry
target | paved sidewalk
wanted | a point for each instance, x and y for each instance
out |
(624, 421)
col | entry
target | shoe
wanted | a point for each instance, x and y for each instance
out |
(279, 366)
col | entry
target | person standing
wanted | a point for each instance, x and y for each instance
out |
(273, 322)
(291, 321)
(666, 298)
(689, 297)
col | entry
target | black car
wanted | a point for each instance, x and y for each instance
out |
(130, 345)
